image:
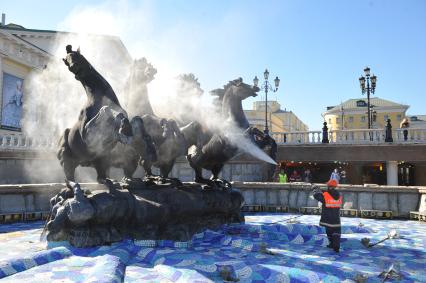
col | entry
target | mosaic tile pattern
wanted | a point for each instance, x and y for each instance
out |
(264, 249)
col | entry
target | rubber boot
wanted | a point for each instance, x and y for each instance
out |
(336, 242)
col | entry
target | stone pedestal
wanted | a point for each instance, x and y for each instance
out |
(154, 212)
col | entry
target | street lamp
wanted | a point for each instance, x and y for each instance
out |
(369, 89)
(266, 86)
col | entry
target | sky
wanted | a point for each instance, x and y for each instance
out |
(317, 48)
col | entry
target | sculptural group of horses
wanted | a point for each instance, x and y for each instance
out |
(104, 136)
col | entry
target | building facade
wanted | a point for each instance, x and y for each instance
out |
(18, 58)
(279, 121)
(352, 114)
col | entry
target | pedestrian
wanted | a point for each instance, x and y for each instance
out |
(405, 124)
(343, 177)
(330, 215)
(335, 175)
(282, 176)
(275, 177)
(295, 177)
(307, 176)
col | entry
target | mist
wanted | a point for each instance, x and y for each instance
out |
(57, 97)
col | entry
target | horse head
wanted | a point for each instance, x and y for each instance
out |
(142, 71)
(76, 63)
(235, 92)
(240, 89)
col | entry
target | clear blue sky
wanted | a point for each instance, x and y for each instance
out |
(317, 48)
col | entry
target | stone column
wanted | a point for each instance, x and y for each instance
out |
(392, 173)
(1, 81)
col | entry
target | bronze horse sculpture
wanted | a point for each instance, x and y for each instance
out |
(170, 141)
(218, 149)
(102, 123)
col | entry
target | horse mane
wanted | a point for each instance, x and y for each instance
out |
(220, 92)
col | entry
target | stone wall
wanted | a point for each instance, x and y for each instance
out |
(399, 200)
(48, 170)
(422, 205)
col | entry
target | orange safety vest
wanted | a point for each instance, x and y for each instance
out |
(330, 202)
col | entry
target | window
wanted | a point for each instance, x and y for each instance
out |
(351, 119)
(386, 117)
(337, 120)
(361, 103)
(363, 119)
(399, 117)
(329, 121)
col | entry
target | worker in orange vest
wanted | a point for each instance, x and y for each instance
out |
(330, 215)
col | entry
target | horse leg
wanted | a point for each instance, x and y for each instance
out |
(215, 177)
(69, 169)
(147, 165)
(130, 168)
(193, 161)
(65, 157)
(165, 171)
(101, 165)
(216, 171)
(199, 176)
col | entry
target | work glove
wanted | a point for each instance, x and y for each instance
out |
(316, 190)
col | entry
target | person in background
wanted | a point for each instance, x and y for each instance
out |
(295, 177)
(335, 175)
(405, 124)
(275, 177)
(343, 177)
(307, 176)
(282, 176)
(330, 215)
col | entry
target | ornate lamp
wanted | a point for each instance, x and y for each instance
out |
(266, 86)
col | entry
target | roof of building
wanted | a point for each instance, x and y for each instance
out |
(415, 118)
(12, 26)
(22, 41)
(283, 111)
(357, 103)
(15, 30)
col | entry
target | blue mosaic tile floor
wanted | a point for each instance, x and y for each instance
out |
(264, 249)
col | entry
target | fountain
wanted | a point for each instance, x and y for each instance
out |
(155, 207)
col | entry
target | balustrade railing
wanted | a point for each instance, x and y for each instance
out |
(357, 136)
(22, 142)
(413, 135)
(352, 136)
(309, 137)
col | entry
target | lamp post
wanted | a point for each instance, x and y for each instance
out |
(266, 86)
(368, 85)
